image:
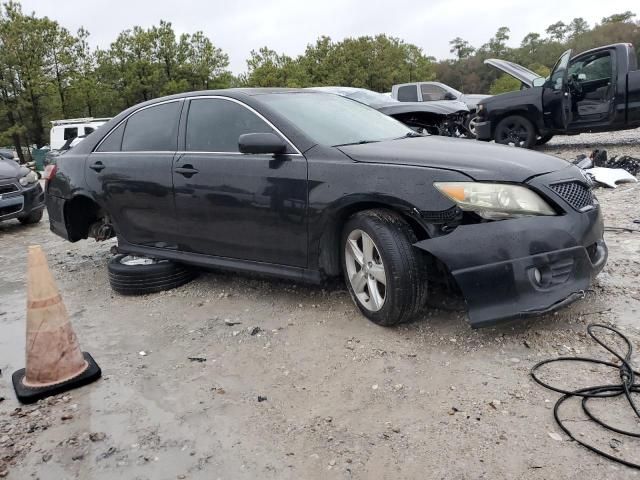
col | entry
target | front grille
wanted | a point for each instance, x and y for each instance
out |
(10, 209)
(574, 193)
(8, 188)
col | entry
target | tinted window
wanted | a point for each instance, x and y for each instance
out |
(214, 125)
(70, 133)
(592, 68)
(432, 92)
(408, 93)
(114, 141)
(88, 130)
(153, 129)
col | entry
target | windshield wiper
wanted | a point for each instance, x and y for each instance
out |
(360, 142)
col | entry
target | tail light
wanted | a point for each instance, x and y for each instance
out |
(49, 174)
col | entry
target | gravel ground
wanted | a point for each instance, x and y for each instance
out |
(343, 398)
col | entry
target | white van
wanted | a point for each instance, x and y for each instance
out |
(65, 130)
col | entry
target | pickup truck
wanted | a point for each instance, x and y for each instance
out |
(436, 91)
(595, 91)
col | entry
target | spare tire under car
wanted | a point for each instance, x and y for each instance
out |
(139, 275)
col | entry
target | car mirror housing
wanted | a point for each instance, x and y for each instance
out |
(261, 143)
(539, 82)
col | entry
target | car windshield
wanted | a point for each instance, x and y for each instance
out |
(332, 120)
(370, 98)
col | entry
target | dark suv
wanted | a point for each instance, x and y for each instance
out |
(308, 185)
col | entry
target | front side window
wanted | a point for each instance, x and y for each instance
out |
(214, 125)
(70, 133)
(592, 68)
(408, 93)
(432, 92)
(332, 120)
(153, 129)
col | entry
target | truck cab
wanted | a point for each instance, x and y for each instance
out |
(65, 131)
(597, 90)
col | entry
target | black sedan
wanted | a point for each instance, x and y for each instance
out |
(308, 185)
(21, 196)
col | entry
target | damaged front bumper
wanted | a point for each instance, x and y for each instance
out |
(522, 267)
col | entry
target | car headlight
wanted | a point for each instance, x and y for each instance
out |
(495, 200)
(29, 179)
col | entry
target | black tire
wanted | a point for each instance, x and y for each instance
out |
(515, 130)
(472, 117)
(544, 139)
(404, 266)
(151, 278)
(33, 217)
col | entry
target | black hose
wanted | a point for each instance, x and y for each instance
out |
(626, 387)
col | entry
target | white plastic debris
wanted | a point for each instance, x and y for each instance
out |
(610, 177)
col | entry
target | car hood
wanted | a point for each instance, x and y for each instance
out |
(480, 161)
(473, 99)
(441, 107)
(9, 169)
(518, 72)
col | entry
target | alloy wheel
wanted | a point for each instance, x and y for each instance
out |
(365, 270)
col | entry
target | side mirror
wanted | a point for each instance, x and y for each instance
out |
(261, 143)
(539, 82)
(450, 96)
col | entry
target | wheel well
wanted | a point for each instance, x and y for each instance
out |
(517, 113)
(329, 251)
(80, 213)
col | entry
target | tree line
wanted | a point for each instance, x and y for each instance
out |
(48, 72)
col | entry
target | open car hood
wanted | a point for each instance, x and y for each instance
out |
(518, 72)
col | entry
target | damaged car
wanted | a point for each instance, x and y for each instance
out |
(595, 91)
(21, 196)
(307, 186)
(446, 117)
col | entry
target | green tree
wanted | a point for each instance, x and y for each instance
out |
(619, 17)
(461, 48)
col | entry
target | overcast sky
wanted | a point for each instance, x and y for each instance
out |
(289, 25)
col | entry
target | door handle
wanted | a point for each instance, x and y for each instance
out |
(186, 170)
(98, 166)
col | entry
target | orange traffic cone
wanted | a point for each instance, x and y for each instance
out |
(55, 362)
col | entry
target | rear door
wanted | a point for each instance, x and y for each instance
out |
(234, 205)
(556, 95)
(130, 172)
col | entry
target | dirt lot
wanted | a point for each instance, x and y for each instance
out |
(344, 398)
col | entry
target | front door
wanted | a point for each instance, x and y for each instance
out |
(556, 96)
(130, 172)
(241, 206)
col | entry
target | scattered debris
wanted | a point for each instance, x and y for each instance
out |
(66, 416)
(197, 359)
(615, 443)
(254, 331)
(555, 436)
(495, 404)
(142, 353)
(97, 436)
(262, 398)
(230, 323)
(610, 177)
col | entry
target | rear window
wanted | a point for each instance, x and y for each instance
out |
(114, 141)
(153, 129)
(408, 93)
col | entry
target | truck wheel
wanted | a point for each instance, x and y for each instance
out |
(385, 275)
(33, 217)
(134, 275)
(516, 131)
(544, 139)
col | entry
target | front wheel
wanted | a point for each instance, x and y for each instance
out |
(516, 131)
(470, 125)
(385, 275)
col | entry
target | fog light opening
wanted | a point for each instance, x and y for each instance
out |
(537, 275)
